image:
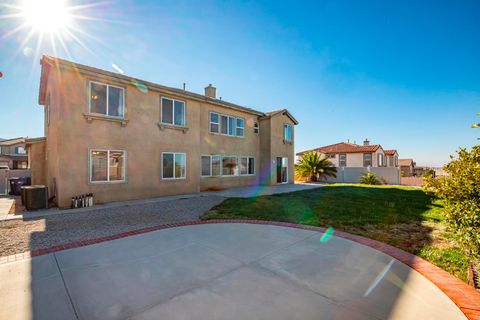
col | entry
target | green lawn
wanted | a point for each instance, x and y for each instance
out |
(404, 217)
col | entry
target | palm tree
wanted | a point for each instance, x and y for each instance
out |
(314, 166)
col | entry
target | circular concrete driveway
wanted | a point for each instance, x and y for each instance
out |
(221, 271)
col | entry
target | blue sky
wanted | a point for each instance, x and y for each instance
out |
(404, 74)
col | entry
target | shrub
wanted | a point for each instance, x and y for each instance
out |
(314, 166)
(460, 191)
(369, 178)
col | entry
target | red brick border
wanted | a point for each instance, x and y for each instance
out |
(463, 295)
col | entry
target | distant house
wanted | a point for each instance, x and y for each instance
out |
(407, 167)
(345, 154)
(13, 154)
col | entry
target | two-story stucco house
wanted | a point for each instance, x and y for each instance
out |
(13, 154)
(345, 154)
(122, 138)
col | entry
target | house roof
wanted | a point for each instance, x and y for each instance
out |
(405, 162)
(35, 140)
(345, 147)
(390, 152)
(9, 142)
(283, 112)
(47, 62)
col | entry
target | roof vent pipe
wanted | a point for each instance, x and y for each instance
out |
(366, 142)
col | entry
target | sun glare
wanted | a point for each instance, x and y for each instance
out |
(47, 15)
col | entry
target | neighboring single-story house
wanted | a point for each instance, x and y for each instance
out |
(407, 167)
(13, 153)
(345, 154)
(122, 138)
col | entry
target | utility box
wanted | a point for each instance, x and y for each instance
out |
(35, 197)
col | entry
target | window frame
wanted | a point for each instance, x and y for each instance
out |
(248, 163)
(364, 161)
(340, 160)
(380, 163)
(237, 127)
(211, 122)
(184, 118)
(229, 117)
(201, 165)
(17, 150)
(108, 181)
(287, 125)
(256, 127)
(174, 153)
(106, 100)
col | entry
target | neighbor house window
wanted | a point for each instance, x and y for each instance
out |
(20, 164)
(331, 155)
(20, 150)
(173, 112)
(287, 132)
(107, 165)
(367, 159)
(214, 122)
(342, 160)
(106, 99)
(256, 127)
(229, 166)
(247, 166)
(173, 165)
(380, 160)
(240, 130)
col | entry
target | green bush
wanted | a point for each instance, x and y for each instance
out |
(369, 178)
(460, 191)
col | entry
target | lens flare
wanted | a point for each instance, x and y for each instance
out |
(327, 235)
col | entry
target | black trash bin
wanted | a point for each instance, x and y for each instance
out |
(16, 185)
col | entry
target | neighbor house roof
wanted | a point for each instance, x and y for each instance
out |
(390, 152)
(344, 147)
(9, 142)
(405, 162)
(47, 62)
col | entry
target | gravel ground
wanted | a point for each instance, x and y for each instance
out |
(18, 236)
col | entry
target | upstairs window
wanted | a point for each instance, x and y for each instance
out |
(287, 132)
(240, 130)
(20, 150)
(173, 112)
(342, 160)
(106, 100)
(227, 125)
(214, 122)
(367, 159)
(256, 127)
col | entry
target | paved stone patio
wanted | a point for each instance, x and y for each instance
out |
(220, 271)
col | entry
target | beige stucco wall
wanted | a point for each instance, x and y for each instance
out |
(36, 155)
(70, 136)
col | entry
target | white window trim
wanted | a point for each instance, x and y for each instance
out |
(210, 122)
(221, 175)
(248, 159)
(106, 110)
(201, 168)
(228, 125)
(291, 132)
(174, 178)
(173, 112)
(90, 181)
(237, 127)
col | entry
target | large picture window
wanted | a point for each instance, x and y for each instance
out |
(247, 165)
(173, 112)
(106, 99)
(229, 166)
(107, 165)
(367, 159)
(173, 165)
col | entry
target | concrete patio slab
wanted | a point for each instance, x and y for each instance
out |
(206, 272)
